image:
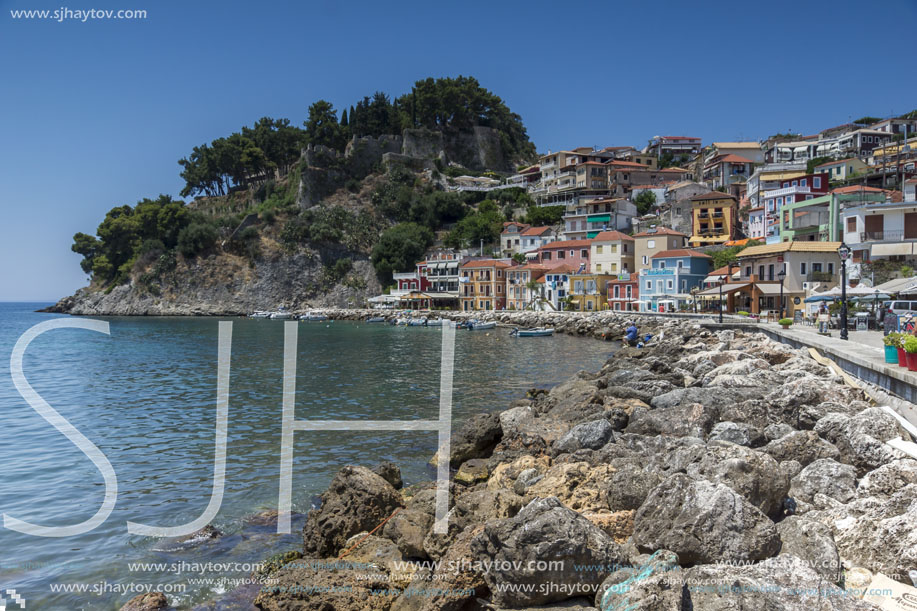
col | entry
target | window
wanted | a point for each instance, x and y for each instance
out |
(560, 254)
(598, 267)
(830, 268)
(584, 253)
(598, 250)
(816, 182)
(650, 244)
(644, 259)
(803, 182)
(627, 291)
(649, 285)
(614, 267)
(572, 254)
(659, 286)
(816, 267)
(617, 292)
(669, 284)
(545, 256)
(795, 183)
(681, 264)
(851, 223)
(661, 265)
(802, 268)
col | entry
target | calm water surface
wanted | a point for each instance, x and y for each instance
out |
(146, 396)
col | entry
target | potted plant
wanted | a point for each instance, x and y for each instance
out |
(742, 313)
(891, 342)
(910, 347)
(785, 322)
(899, 348)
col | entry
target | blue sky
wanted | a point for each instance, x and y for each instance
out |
(97, 114)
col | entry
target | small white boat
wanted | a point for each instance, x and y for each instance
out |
(536, 332)
(313, 317)
(417, 322)
(435, 322)
(376, 319)
(481, 326)
(260, 314)
(280, 315)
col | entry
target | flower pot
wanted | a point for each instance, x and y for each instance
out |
(902, 357)
(912, 361)
(785, 326)
(891, 354)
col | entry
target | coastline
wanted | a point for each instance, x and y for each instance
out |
(705, 456)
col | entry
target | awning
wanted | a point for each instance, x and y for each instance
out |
(599, 218)
(770, 289)
(887, 250)
(727, 288)
(592, 234)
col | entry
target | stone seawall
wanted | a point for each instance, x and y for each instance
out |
(705, 458)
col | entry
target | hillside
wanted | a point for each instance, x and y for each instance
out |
(304, 218)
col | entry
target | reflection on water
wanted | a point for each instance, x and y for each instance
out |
(146, 396)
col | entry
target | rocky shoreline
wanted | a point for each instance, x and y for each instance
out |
(707, 471)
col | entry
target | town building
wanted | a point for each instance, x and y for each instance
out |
(790, 191)
(715, 218)
(511, 238)
(654, 240)
(574, 253)
(588, 291)
(623, 293)
(534, 237)
(666, 285)
(674, 146)
(483, 284)
(522, 288)
(881, 230)
(724, 171)
(587, 218)
(843, 169)
(555, 287)
(756, 227)
(612, 252)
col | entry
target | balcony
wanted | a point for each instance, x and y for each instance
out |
(896, 235)
(787, 191)
(821, 277)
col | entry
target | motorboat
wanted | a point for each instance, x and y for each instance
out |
(481, 326)
(312, 316)
(536, 332)
(260, 314)
(417, 322)
(280, 314)
(435, 322)
(376, 319)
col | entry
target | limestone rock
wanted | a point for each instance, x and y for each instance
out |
(827, 477)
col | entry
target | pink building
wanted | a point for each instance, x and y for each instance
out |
(574, 253)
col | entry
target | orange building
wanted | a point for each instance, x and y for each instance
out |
(482, 284)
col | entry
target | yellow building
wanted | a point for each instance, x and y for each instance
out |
(589, 292)
(482, 284)
(612, 253)
(713, 218)
(655, 240)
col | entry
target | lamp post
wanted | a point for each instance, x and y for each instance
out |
(722, 282)
(781, 276)
(694, 298)
(844, 253)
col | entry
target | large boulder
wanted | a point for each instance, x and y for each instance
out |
(813, 542)
(754, 475)
(888, 479)
(476, 438)
(627, 487)
(802, 446)
(357, 500)
(682, 420)
(651, 583)
(703, 522)
(784, 583)
(740, 433)
(545, 543)
(588, 435)
(825, 476)
(150, 601)
(407, 529)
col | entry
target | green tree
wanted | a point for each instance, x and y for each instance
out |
(538, 216)
(485, 225)
(645, 202)
(399, 248)
(196, 238)
(88, 246)
(322, 127)
(724, 257)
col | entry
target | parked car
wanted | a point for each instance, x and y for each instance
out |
(902, 307)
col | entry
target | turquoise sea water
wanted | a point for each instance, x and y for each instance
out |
(146, 396)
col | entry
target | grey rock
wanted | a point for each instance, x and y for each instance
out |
(357, 500)
(703, 522)
(802, 446)
(888, 479)
(683, 420)
(476, 438)
(390, 472)
(629, 486)
(777, 430)
(407, 529)
(825, 476)
(544, 530)
(588, 435)
(812, 542)
(740, 433)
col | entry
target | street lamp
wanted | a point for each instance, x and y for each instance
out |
(844, 253)
(694, 298)
(781, 276)
(722, 282)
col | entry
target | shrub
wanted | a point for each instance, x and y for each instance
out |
(893, 339)
(785, 322)
(196, 238)
(742, 313)
(909, 343)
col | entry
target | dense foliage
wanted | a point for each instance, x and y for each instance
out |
(724, 257)
(539, 216)
(645, 202)
(149, 229)
(399, 248)
(485, 224)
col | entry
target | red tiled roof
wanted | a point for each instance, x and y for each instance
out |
(561, 268)
(659, 231)
(536, 230)
(611, 235)
(565, 244)
(732, 159)
(681, 252)
(628, 165)
(485, 263)
(857, 189)
(678, 170)
(662, 186)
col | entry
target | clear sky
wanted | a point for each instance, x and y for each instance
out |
(97, 114)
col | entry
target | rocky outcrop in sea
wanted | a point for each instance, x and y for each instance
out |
(706, 471)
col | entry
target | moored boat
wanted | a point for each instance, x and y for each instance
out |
(536, 332)
(312, 316)
(376, 319)
(481, 326)
(280, 314)
(435, 322)
(260, 314)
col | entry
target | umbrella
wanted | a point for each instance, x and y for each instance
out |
(821, 297)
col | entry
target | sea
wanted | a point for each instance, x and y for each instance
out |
(145, 395)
